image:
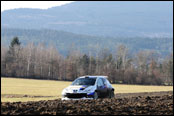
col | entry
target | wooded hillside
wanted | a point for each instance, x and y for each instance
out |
(40, 62)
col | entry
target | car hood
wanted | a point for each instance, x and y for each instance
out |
(78, 87)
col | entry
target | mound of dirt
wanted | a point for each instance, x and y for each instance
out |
(160, 104)
(21, 96)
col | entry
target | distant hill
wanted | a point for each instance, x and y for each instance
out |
(98, 18)
(64, 41)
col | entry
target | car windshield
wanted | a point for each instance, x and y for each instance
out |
(84, 81)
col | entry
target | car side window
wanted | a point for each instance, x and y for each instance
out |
(100, 83)
(108, 83)
(104, 81)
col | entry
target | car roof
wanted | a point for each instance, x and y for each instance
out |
(96, 76)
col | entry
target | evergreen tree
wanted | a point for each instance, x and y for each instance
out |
(15, 41)
(13, 56)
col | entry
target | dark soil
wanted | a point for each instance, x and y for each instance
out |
(156, 103)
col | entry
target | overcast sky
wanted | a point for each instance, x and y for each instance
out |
(6, 5)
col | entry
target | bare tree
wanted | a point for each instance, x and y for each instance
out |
(4, 51)
(29, 50)
(38, 61)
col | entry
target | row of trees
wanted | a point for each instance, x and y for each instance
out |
(38, 61)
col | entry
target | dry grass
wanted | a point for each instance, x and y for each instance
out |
(14, 86)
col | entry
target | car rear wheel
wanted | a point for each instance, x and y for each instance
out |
(111, 94)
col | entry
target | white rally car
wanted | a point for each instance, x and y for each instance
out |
(88, 87)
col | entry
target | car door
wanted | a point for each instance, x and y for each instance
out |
(100, 88)
(105, 88)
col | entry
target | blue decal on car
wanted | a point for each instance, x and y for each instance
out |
(82, 88)
(91, 93)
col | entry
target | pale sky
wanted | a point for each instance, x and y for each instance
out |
(6, 5)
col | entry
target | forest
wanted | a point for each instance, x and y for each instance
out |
(45, 62)
(63, 41)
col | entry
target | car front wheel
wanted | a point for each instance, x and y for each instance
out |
(95, 95)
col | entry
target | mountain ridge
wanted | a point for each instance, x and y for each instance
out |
(114, 18)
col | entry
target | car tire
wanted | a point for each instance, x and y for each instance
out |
(95, 95)
(112, 94)
(109, 96)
